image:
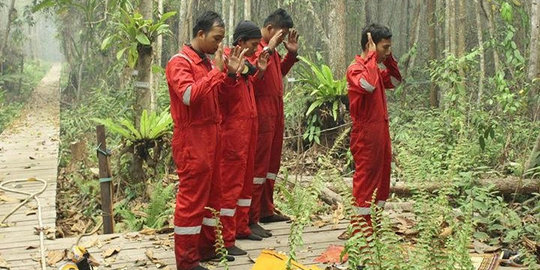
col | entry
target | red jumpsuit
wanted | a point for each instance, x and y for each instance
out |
(269, 100)
(193, 87)
(239, 135)
(370, 137)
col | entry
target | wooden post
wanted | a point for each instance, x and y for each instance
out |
(105, 181)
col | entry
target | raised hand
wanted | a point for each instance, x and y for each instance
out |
(235, 61)
(262, 61)
(276, 39)
(292, 43)
(370, 45)
(218, 58)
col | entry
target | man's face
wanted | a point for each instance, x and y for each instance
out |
(250, 44)
(210, 40)
(383, 49)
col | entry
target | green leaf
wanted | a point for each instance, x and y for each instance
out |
(313, 106)
(335, 109)
(106, 42)
(136, 134)
(43, 5)
(120, 53)
(143, 39)
(167, 15)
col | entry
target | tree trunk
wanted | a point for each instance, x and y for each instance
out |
(534, 158)
(447, 15)
(185, 18)
(247, 9)
(337, 29)
(491, 27)
(232, 9)
(158, 56)
(433, 91)
(143, 84)
(413, 40)
(504, 186)
(534, 60)
(3, 44)
(461, 12)
(452, 30)
(318, 24)
(481, 48)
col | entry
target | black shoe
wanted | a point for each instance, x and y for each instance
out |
(274, 218)
(360, 267)
(236, 251)
(215, 257)
(198, 267)
(252, 236)
(259, 231)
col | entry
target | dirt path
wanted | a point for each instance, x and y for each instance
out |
(29, 150)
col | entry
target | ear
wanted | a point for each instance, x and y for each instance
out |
(269, 28)
(201, 34)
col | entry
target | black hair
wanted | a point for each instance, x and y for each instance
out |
(378, 32)
(246, 30)
(279, 19)
(206, 21)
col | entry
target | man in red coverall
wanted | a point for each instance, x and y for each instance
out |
(239, 134)
(269, 100)
(194, 83)
(370, 137)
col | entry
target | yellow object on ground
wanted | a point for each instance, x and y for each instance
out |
(272, 260)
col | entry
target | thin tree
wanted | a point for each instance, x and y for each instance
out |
(534, 60)
(232, 9)
(481, 48)
(185, 20)
(247, 9)
(488, 11)
(337, 29)
(159, 52)
(10, 19)
(433, 91)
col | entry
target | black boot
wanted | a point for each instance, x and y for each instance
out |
(275, 218)
(212, 256)
(260, 231)
(198, 267)
(236, 251)
(252, 236)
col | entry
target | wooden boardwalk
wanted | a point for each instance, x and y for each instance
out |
(29, 149)
(134, 247)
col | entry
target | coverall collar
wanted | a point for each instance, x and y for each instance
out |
(194, 55)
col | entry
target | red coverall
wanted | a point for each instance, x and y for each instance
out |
(370, 137)
(193, 87)
(239, 135)
(269, 99)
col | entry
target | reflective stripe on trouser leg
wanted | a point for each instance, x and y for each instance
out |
(235, 137)
(245, 199)
(193, 193)
(267, 201)
(228, 222)
(370, 176)
(208, 234)
(263, 150)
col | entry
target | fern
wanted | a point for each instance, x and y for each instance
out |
(158, 210)
(152, 126)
